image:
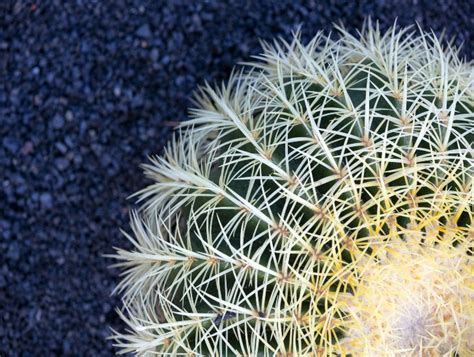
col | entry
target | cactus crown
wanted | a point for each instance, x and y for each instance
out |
(319, 203)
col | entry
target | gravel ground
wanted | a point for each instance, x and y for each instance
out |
(85, 87)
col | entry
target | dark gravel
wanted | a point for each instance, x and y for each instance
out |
(85, 86)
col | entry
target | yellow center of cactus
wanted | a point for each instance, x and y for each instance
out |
(414, 297)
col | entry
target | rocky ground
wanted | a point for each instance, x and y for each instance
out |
(85, 89)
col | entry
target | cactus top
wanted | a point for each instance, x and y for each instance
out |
(318, 203)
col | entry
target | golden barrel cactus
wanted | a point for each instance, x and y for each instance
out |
(319, 203)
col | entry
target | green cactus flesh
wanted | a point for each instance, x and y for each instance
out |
(319, 203)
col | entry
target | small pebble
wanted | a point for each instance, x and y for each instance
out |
(46, 200)
(61, 147)
(61, 163)
(144, 31)
(27, 148)
(154, 54)
(58, 121)
(69, 115)
(11, 144)
(117, 91)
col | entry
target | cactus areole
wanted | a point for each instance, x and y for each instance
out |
(320, 203)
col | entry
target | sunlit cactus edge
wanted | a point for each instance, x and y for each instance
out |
(318, 203)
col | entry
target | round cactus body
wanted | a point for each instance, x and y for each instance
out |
(320, 203)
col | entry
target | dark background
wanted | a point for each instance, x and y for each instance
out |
(84, 89)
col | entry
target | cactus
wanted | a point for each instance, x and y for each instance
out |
(318, 203)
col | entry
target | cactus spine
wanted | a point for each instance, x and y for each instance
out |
(319, 203)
